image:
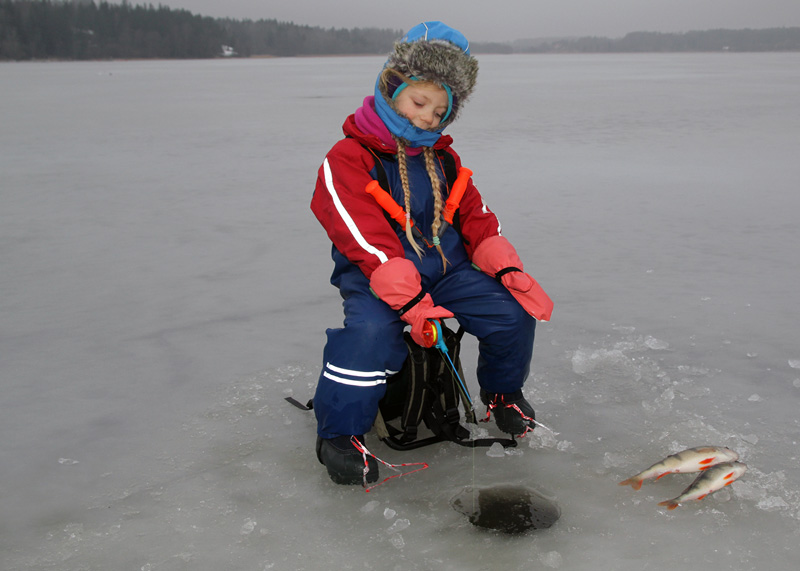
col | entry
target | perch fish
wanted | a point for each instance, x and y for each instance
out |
(691, 460)
(708, 482)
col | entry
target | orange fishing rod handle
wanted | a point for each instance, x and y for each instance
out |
(456, 194)
(386, 202)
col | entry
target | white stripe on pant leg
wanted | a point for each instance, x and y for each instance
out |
(354, 373)
(354, 383)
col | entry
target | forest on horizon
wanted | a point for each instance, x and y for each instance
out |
(83, 30)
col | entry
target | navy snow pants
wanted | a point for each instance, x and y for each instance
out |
(360, 356)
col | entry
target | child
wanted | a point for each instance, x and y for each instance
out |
(391, 275)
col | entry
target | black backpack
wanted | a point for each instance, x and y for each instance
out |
(428, 390)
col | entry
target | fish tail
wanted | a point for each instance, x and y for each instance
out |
(634, 483)
(669, 504)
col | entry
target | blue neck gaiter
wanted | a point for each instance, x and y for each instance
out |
(401, 127)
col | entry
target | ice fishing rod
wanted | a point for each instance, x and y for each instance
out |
(438, 342)
(442, 347)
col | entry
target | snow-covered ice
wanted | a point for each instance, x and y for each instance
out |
(164, 286)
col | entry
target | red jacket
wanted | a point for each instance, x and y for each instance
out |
(355, 222)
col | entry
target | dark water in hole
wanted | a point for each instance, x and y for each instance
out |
(506, 508)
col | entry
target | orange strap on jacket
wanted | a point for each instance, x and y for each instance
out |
(387, 203)
(457, 192)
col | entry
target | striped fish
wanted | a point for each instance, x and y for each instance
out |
(708, 482)
(691, 460)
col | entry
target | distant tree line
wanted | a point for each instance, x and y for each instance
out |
(83, 29)
(77, 29)
(770, 39)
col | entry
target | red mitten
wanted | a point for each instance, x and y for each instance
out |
(397, 282)
(498, 258)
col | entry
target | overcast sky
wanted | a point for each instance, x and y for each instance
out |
(501, 20)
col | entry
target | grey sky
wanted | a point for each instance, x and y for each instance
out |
(500, 20)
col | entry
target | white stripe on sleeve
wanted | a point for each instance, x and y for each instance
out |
(348, 220)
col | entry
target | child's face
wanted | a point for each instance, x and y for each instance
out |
(424, 104)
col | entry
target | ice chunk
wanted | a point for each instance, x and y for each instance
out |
(611, 362)
(496, 451)
(794, 363)
(614, 460)
(772, 503)
(248, 527)
(750, 439)
(551, 559)
(755, 398)
(369, 506)
(655, 344)
(399, 525)
(389, 513)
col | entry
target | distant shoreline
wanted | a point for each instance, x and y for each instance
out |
(331, 56)
(83, 31)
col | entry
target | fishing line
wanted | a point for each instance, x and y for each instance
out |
(469, 406)
(468, 413)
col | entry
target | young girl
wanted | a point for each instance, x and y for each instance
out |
(392, 274)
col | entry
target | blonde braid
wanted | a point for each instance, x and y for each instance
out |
(436, 186)
(403, 168)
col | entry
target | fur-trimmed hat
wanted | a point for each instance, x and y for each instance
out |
(431, 51)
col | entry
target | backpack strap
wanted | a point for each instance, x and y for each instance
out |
(418, 389)
(447, 163)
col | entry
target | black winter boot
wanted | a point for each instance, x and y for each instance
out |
(512, 413)
(344, 462)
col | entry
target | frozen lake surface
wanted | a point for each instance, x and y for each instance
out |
(164, 286)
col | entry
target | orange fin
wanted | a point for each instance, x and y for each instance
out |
(632, 482)
(708, 460)
(662, 475)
